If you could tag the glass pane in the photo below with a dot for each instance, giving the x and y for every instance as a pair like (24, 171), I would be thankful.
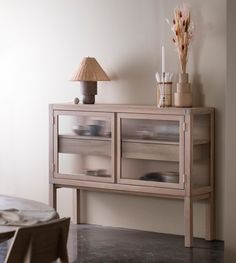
(84, 125)
(201, 150)
(84, 145)
(150, 150)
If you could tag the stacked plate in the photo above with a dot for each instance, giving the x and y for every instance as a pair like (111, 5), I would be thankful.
(166, 177)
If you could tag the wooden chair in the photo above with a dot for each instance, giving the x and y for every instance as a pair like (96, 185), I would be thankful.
(43, 243)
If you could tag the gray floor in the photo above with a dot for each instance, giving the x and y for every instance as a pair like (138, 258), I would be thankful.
(96, 244)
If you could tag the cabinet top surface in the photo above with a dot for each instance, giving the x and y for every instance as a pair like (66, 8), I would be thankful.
(135, 108)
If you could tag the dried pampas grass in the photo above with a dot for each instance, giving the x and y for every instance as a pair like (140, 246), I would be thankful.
(183, 29)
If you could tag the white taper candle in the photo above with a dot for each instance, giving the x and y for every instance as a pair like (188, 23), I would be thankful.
(162, 61)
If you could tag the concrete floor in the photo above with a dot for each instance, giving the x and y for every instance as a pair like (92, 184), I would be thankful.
(96, 244)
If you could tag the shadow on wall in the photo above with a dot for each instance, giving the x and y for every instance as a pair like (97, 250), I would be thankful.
(197, 90)
(197, 85)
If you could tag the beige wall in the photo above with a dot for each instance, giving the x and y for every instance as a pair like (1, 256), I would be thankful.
(230, 229)
(41, 44)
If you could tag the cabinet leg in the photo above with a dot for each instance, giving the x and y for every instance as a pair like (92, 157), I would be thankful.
(77, 219)
(188, 221)
(53, 196)
(210, 217)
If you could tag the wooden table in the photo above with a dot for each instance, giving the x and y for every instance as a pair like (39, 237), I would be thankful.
(7, 202)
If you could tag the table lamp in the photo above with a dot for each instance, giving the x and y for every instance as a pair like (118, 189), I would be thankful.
(88, 73)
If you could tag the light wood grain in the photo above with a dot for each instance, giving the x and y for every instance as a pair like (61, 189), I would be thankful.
(78, 213)
(210, 222)
(147, 151)
(186, 151)
(188, 221)
(188, 202)
(210, 206)
(151, 183)
(125, 188)
(86, 147)
(51, 141)
(126, 108)
(52, 195)
(83, 177)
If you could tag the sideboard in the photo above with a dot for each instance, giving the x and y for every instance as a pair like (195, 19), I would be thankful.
(135, 149)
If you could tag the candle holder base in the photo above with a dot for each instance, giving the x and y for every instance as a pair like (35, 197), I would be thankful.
(164, 94)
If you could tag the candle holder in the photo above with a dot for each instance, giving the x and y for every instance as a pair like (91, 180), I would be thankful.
(164, 94)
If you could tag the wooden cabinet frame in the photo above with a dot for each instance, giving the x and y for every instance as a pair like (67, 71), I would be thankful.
(184, 190)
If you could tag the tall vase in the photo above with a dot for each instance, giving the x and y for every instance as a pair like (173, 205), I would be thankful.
(183, 96)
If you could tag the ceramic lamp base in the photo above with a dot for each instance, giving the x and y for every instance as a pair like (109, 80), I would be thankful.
(89, 90)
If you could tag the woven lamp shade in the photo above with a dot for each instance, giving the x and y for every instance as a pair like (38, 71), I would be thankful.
(90, 70)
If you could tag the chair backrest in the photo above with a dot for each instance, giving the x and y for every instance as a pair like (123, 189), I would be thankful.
(41, 243)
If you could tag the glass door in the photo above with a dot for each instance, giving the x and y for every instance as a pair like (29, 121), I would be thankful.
(202, 151)
(84, 145)
(151, 150)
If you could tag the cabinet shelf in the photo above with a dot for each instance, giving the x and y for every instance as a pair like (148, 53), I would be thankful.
(150, 141)
(80, 137)
(86, 145)
(159, 141)
(150, 150)
(199, 142)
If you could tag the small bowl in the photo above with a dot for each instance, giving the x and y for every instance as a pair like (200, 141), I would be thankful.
(91, 172)
(165, 177)
(101, 172)
(94, 129)
(98, 172)
(78, 129)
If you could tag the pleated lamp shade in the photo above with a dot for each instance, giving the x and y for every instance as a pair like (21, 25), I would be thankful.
(90, 70)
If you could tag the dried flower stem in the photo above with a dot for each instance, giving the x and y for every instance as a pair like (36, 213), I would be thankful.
(182, 28)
